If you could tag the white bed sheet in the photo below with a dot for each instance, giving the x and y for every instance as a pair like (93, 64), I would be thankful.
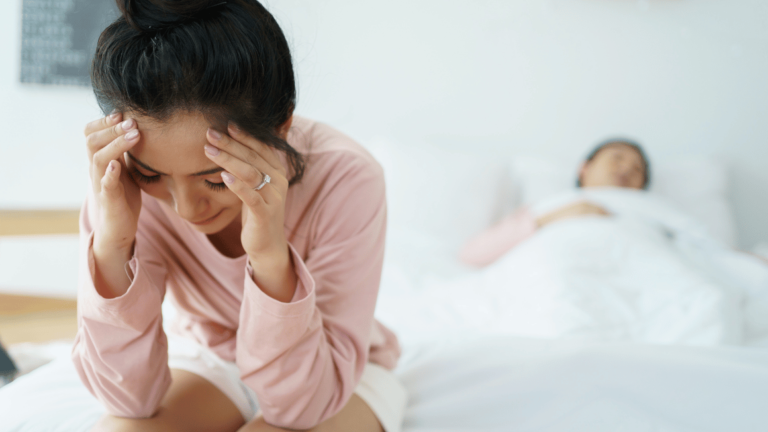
(503, 383)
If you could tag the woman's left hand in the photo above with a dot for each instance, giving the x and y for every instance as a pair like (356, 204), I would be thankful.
(247, 162)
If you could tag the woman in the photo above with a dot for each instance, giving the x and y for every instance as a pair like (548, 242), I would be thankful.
(266, 230)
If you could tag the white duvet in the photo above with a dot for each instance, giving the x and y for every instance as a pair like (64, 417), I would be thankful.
(647, 273)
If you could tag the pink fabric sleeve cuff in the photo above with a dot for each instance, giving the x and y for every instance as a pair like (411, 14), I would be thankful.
(93, 297)
(139, 302)
(303, 301)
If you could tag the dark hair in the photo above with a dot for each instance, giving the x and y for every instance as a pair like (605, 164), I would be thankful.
(626, 142)
(228, 60)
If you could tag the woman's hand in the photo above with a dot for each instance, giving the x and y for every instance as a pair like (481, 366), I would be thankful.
(246, 162)
(118, 199)
(581, 208)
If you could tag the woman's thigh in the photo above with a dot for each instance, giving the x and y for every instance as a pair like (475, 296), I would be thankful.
(356, 416)
(191, 404)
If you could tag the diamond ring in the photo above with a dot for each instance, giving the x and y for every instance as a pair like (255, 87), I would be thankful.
(264, 181)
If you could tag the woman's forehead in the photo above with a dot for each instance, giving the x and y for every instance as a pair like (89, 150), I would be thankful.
(178, 123)
(624, 149)
(174, 145)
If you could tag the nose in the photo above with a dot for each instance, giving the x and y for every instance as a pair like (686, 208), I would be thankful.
(187, 203)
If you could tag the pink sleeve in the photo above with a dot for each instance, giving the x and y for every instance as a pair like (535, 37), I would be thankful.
(305, 358)
(489, 245)
(120, 350)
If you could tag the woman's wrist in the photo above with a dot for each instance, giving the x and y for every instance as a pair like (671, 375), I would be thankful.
(108, 244)
(110, 277)
(275, 274)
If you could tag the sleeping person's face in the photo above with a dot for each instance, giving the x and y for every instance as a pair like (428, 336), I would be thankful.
(169, 163)
(617, 165)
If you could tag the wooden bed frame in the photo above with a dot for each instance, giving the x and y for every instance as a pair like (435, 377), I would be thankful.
(29, 318)
(33, 222)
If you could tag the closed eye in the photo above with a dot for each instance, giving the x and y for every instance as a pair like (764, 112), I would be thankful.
(218, 187)
(145, 179)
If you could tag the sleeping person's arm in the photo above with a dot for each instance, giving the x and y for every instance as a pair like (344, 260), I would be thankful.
(578, 209)
(488, 246)
(491, 244)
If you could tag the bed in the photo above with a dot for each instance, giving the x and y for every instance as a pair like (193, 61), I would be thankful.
(539, 341)
(504, 383)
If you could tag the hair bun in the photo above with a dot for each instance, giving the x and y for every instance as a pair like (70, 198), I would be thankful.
(154, 15)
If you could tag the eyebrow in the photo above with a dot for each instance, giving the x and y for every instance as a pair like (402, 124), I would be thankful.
(149, 168)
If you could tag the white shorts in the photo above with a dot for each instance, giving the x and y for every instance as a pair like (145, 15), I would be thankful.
(378, 387)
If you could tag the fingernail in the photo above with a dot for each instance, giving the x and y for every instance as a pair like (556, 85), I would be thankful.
(211, 150)
(114, 116)
(126, 125)
(233, 128)
(111, 166)
(130, 136)
(227, 177)
(215, 134)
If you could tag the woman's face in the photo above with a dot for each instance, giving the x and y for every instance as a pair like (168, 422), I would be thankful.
(169, 163)
(617, 165)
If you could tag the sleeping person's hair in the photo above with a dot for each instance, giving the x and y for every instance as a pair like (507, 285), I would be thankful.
(622, 141)
(228, 60)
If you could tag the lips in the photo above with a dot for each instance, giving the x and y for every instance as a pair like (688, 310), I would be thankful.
(207, 221)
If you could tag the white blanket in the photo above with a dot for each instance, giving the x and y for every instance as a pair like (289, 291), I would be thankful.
(647, 273)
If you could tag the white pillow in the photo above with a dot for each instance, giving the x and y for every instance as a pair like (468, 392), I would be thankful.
(442, 194)
(698, 186)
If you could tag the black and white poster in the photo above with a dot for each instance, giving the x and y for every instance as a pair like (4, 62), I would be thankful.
(59, 38)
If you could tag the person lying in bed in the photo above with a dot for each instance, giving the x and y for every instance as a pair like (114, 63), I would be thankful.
(615, 163)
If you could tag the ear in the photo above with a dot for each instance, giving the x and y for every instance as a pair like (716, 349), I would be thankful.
(282, 130)
(582, 171)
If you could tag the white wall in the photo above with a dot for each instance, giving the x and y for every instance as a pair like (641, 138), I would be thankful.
(540, 76)
(43, 160)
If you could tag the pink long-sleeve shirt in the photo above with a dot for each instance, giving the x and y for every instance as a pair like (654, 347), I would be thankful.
(488, 246)
(304, 358)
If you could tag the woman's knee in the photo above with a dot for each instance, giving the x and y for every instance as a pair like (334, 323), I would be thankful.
(110, 423)
(356, 416)
(192, 404)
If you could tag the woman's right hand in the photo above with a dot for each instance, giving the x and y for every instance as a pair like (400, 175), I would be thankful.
(118, 198)
(581, 208)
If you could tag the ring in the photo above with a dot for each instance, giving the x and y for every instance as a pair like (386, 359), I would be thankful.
(264, 181)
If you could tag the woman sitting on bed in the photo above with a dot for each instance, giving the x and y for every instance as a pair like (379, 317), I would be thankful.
(265, 229)
(614, 163)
